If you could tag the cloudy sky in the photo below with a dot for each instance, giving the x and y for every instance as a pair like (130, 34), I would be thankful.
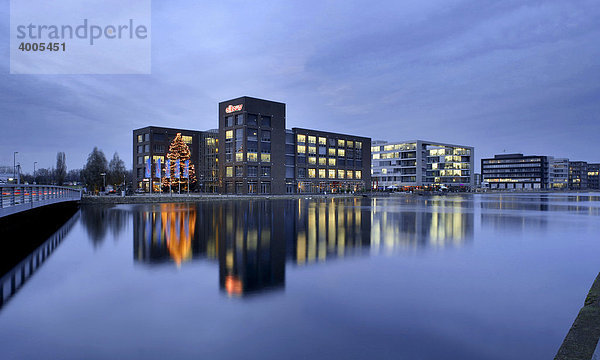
(514, 76)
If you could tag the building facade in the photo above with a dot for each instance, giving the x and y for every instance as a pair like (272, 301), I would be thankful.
(515, 171)
(593, 178)
(258, 155)
(558, 173)
(208, 169)
(419, 163)
(578, 175)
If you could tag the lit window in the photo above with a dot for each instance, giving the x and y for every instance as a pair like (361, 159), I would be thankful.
(301, 149)
(229, 134)
(322, 141)
(341, 152)
(265, 157)
(349, 174)
(358, 145)
(358, 174)
(301, 138)
(140, 138)
(229, 171)
(332, 174)
(350, 144)
(322, 161)
(311, 173)
(155, 159)
(252, 156)
(331, 161)
(331, 151)
(341, 143)
(312, 160)
(187, 139)
(312, 150)
(322, 173)
(341, 174)
(239, 156)
(375, 156)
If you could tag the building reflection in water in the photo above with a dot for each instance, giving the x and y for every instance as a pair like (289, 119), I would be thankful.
(251, 240)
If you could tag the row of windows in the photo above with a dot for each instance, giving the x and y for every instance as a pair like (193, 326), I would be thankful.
(329, 174)
(512, 166)
(312, 150)
(238, 187)
(253, 171)
(161, 138)
(511, 161)
(252, 135)
(391, 147)
(250, 119)
(250, 157)
(302, 139)
(313, 160)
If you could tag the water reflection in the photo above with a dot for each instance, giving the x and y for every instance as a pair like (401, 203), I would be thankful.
(99, 220)
(251, 240)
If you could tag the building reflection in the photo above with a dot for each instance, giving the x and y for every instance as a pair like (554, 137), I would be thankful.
(252, 240)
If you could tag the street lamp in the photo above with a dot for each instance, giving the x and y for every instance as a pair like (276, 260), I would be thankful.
(34, 182)
(15, 164)
(104, 180)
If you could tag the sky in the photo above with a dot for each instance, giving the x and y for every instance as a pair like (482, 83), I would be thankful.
(502, 76)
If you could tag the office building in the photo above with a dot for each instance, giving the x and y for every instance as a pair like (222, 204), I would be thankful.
(258, 155)
(578, 175)
(419, 163)
(593, 179)
(558, 173)
(515, 171)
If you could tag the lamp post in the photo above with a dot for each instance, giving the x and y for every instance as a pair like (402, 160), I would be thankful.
(104, 180)
(34, 182)
(15, 165)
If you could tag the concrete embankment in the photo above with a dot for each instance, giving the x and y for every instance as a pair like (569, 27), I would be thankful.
(581, 343)
(149, 199)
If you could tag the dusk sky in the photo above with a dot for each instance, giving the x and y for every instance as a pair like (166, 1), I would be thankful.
(515, 76)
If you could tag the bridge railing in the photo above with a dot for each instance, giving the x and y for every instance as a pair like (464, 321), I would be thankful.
(16, 198)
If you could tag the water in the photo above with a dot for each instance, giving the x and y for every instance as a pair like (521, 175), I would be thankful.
(455, 277)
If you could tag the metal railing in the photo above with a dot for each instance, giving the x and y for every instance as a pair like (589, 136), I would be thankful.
(17, 198)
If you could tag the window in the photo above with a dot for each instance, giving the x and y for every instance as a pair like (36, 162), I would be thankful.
(159, 148)
(341, 152)
(322, 141)
(265, 121)
(350, 143)
(229, 171)
(265, 171)
(322, 173)
(322, 161)
(228, 134)
(349, 174)
(301, 159)
(265, 157)
(239, 156)
(358, 145)
(341, 174)
(265, 187)
(187, 139)
(322, 150)
(252, 187)
(140, 149)
(140, 138)
(331, 161)
(147, 148)
(140, 160)
(252, 135)
(155, 158)
(358, 174)
(252, 146)
(265, 148)
(239, 119)
(332, 174)
(312, 160)
(341, 143)
(301, 138)
(252, 120)
(301, 149)
(331, 151)
(312, 139)
(239, 134)
(239, 171)
(331, 142)
(146, 137)
(252, 171)
(302, 173)
(239, 186)
(265, 135)
(228, 121)
(312, 173)
(312, 150)
(252, 156)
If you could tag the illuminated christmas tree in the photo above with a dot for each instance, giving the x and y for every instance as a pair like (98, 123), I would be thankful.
(178, 150)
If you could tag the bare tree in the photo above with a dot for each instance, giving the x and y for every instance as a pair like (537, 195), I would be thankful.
(60, 173)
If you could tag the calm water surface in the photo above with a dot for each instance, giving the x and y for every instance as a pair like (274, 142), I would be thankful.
(455, 277)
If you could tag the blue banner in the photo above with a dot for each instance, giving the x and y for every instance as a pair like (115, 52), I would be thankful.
(158, 168)
(148, 169)
(168, 168)
(177, 169)
(186, 169)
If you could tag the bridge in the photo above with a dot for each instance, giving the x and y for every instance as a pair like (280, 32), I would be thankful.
(19, 198)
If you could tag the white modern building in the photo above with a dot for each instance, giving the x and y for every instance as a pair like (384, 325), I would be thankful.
(420, 163)
(558, 173)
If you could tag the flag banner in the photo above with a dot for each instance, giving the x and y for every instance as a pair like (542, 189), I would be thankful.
(168, 168)
(186, 169)
(177, 169)
(158, 168)
(148, 169)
